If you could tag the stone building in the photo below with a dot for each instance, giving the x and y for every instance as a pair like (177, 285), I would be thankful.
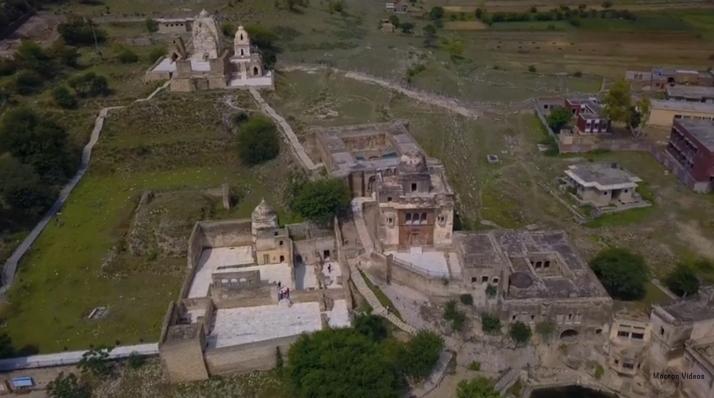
(602, 184)
(383, 161)
(534, 277)
(664, 112)
(629, 340)
(589, 115)
(253, 287)
(690, 153)
(174, 25)
(658, 79)
(208, 64)
(691, 93)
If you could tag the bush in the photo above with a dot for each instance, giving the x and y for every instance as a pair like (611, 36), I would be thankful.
(623, 273)
(64, 98)
(90, 85)
(682, 281)
(453, 315)
(436, 13)
(7, 67)
(135, 361)
(126, 56)
(68, 386)
(258, 140)
(531, 68)
(490, 324)
(520, 333)
(151, 25)
(558, 118)
(228, 29)
(321, 200)
(81, 31)
(96, 362)
(27, 82)
(466, 299)
(156, 53)
(479, 387)
(418, 357)
(33, 57)
(265, 40)
(475, 366)
(68, 55)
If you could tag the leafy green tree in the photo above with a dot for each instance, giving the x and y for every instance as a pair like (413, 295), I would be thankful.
(67, 55)
(258, 140)
(64, 98)
(420, 354)
(90, 84)
(228, 29)
(265, 40)
(322, 200)
(407, 27)
(394, 20)
(682, 281)
(339, 363)
(21, 189)
(36, 141)
(28, 82)
(618, 102)
(558, 118)
(68, 386)
(490, 324)
(96, 362)
(624, 274)
(479, 387)
(436, 13)
(31, 56)
(81, 31)
(520, 333)
(372, 326)
(151, 25)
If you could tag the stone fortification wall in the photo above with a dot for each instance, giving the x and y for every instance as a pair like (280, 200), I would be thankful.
(408, 275)
(246, 358)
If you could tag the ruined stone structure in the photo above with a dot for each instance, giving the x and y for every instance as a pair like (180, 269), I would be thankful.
(253, 287)
(629, 340)
(534, 277)
(208, 64)
(383, 161)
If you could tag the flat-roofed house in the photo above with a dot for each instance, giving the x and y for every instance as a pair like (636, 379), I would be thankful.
(691, 93)
(602, 184)
(590, 118)
(664, 112)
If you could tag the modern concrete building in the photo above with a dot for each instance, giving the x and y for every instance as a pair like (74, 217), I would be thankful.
(602, 184)
(691, 93)
(691, 153)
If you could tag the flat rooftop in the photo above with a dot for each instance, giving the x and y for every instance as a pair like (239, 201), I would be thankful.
(230, 259)
(430, 262)
(695, 310)
(602, 176)
(683, 106)
(702, 130)
(690, 92)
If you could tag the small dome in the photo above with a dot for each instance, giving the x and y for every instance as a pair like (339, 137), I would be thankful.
(521, 280)
(412, 161)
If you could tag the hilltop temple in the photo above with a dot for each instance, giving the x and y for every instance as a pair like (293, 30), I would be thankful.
(208, 64)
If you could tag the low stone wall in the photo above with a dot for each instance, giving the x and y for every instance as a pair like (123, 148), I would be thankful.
(248, 357)
(408, 276)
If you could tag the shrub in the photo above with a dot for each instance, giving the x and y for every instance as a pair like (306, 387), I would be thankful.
(682, 281)
(135, 361)
(127, 56)
(258, 140)
(578, 74)
(151, 25)
(27, 82)
(321, 200)
(490, 324)
(228, 29)
(453, 315)
(475, 366)
(68, 55)
(479, 387)
(81, 31)
(623, 273)
(372, 326)
(418, 357)
(7, 67)
(156, 53)
(558, 118)
(68, 386)
(436, 13)
(96, 362)
(466, 299)
(64, 98)
(89, 85)
(520, 333)
(531, 68)
(33, 57)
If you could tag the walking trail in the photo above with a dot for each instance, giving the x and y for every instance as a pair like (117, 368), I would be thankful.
(10, 267)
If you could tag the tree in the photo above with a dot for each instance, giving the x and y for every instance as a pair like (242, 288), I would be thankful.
(520, 333)
(28, 82)
(68, 386)
(339, 362)
(531, 68)
(31, 56)
(407, 27)
(96, 362)
(682, 281)
(436, 13)
(618, 102)
(67, 55)
(36, 141)
(322, 200)
(81, 31)
(453, 315)
(623, 273)
(151, 25)
(21, 189)
(90, 84)
(420, 354)
(490, 324)
(479, 387)
(558, 118)
(126, 55)
(639, 114)
(64, 98)
(228, 29)
(265, 40)
(372, 326)
(394, 20)
(258, 140)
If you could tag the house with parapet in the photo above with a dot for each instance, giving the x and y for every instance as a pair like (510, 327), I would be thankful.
(690, 153)
(602, 184)
(589, 115)
(664, 112)
(628, 343)
(252, 288)
(208, 64)
(658, 79)
(691, 93)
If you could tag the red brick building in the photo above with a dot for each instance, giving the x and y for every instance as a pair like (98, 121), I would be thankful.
(590, 118)
(691, 145)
